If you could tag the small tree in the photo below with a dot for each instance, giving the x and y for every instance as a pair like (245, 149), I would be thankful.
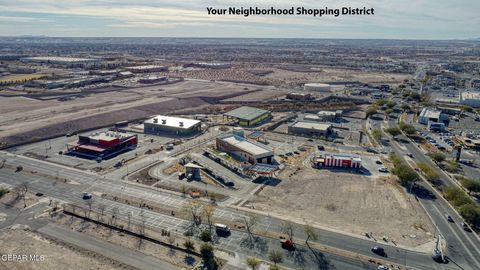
(311, 234)
(193, 209)
(206, 235)
(206, 251)
(287, 228)
(275, 256)
(253, 263)
(208, 211)
(250, 223)
(189, 246)
(377, 134)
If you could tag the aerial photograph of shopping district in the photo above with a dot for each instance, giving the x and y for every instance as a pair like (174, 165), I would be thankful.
(203, 151)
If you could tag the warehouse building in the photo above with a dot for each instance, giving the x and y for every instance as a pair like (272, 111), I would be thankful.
(102, 145)
(152, 79)
(244, 150)
(317, 87)
(63, 61)
(300, 96)
(208, 65)
(248, 116)
(310, 129)
(147, 69)
(169, 125)
(334, 160)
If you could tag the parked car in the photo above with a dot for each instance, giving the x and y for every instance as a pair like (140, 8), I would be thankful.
(86, 196)
(221, 229)
(383, 170)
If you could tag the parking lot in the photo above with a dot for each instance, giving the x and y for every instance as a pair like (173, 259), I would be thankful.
(54, 150)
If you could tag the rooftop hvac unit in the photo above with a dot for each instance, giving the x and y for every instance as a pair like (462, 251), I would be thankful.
(155, 120)
(181, 124)
(164, 121)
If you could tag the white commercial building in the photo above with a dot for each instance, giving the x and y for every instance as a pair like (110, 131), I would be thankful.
(244, 150)
(471, 99)
(317, 87)
(431, 115)
(169, 125)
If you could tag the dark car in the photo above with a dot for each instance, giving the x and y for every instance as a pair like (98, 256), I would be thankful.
(449, 218)
(379, 251)
(378, 162)
(86, 196)
(466, 227)
(439, 259)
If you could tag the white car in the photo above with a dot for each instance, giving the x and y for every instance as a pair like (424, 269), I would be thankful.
(383, 267)
(383, 170)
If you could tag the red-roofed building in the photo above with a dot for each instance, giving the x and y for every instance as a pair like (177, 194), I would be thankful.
(103, 145)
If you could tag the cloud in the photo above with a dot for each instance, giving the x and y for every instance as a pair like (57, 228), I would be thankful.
(408, 18)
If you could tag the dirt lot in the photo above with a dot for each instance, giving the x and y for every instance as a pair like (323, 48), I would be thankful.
(331, 74)
(172, 256)
(348, 202)
(57, 256)
(25, 119)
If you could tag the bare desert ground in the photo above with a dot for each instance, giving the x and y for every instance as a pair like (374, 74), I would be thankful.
(56, 256)
(348, 202)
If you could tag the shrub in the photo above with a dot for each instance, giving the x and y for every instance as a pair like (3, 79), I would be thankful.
(456, 196)
(3, 191)
(471, 213)
(437, 157)
(206, 236)
(377, 134)
(393, 131)
(429, 172)
(471, 185)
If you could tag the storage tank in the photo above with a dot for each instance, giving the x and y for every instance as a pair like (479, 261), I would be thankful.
(318, 87)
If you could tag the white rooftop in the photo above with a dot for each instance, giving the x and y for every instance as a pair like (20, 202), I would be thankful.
(470, 95)
(311, 125)
(170, 121)
(326, 113)
(246, 146)
(430, 113)
(145, 67)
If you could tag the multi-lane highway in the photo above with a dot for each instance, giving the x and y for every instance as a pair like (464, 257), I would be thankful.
(84, 181)
(463, 248)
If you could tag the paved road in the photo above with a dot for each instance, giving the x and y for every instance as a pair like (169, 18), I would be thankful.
(71, 193)
(118, 253)
(463, 248)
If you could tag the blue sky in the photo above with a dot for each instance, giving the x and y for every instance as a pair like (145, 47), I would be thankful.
(402, 19)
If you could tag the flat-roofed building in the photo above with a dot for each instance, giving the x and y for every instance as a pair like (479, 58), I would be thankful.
(103, 145)
(147, 69)
(169, 125)
(310, 129)
(244, 150)
(431, 115)
(248, 116)
(471, 99)
(64, 61)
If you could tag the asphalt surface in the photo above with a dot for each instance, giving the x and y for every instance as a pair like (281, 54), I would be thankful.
(118, 253)
(82, 181)
(463, 248)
